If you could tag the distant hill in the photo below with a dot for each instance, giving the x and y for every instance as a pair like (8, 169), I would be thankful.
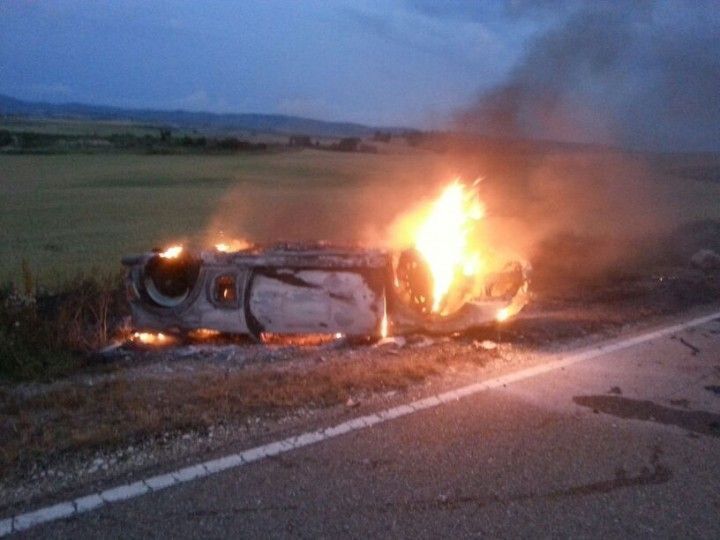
(262, 123)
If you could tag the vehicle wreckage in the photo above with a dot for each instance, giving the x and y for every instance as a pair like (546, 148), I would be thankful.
(298, 289)
(440, 278)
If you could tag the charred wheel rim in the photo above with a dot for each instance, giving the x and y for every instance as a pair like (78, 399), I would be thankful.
(168, 282)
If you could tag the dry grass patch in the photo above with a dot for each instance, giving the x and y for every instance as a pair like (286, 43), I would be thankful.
(46, 334)
(80, 417)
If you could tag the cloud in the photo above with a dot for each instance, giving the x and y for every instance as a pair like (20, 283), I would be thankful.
(419, 31)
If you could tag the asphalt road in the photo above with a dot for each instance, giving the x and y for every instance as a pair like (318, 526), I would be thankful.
(627, 444)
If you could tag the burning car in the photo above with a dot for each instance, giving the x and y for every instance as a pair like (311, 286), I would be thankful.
(436, 285)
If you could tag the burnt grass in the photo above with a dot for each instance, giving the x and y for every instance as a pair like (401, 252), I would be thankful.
(57, 399)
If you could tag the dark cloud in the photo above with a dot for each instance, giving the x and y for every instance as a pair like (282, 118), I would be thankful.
(637, 74)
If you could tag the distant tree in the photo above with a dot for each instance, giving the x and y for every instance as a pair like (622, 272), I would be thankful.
(6, 138)
(348, 144)
(414, 138)
(123, 140)
(189, 141)
(381, 136)
(31, 139)
(229, 143)
(301, 141)
(233, 143)
(165, 134)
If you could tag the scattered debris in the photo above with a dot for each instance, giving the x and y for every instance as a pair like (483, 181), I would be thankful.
(352, 403)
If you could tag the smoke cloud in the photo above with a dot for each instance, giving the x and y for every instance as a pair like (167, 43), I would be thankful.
(642, 75)
(639, 75)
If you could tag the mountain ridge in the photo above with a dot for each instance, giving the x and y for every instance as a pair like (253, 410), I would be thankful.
(179, 118)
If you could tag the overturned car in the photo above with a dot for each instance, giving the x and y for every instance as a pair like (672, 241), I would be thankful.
(296, 289)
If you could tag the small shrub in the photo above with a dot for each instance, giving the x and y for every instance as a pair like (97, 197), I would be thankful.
(43, 335)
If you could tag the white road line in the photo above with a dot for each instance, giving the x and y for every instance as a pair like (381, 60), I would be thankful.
(67, 509)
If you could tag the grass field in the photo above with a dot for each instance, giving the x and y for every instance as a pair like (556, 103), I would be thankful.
(69, 213)
(77, 127)
(98, 128)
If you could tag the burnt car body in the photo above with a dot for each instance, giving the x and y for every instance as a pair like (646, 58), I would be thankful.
(299, 289)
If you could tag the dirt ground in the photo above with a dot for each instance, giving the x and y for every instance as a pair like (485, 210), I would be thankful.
(139, 408)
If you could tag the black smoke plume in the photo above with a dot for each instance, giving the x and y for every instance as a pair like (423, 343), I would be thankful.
(641, 75)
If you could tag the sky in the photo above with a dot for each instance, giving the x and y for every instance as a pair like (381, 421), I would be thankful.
(371, 62)
(503, 67)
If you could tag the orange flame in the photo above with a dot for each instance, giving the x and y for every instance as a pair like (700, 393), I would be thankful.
(172, 252)
(384, 325)
(232, 246)
(443, 239)
(203, 333)
(521, 298)
(150, 338)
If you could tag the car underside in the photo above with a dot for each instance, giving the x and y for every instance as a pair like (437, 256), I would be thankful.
(297, 289)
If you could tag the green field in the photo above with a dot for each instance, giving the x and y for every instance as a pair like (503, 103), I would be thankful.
(65, 127)
(70, 213)
(77, 127)
(65, 214)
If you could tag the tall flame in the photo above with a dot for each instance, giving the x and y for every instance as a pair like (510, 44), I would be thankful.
(443, 239)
